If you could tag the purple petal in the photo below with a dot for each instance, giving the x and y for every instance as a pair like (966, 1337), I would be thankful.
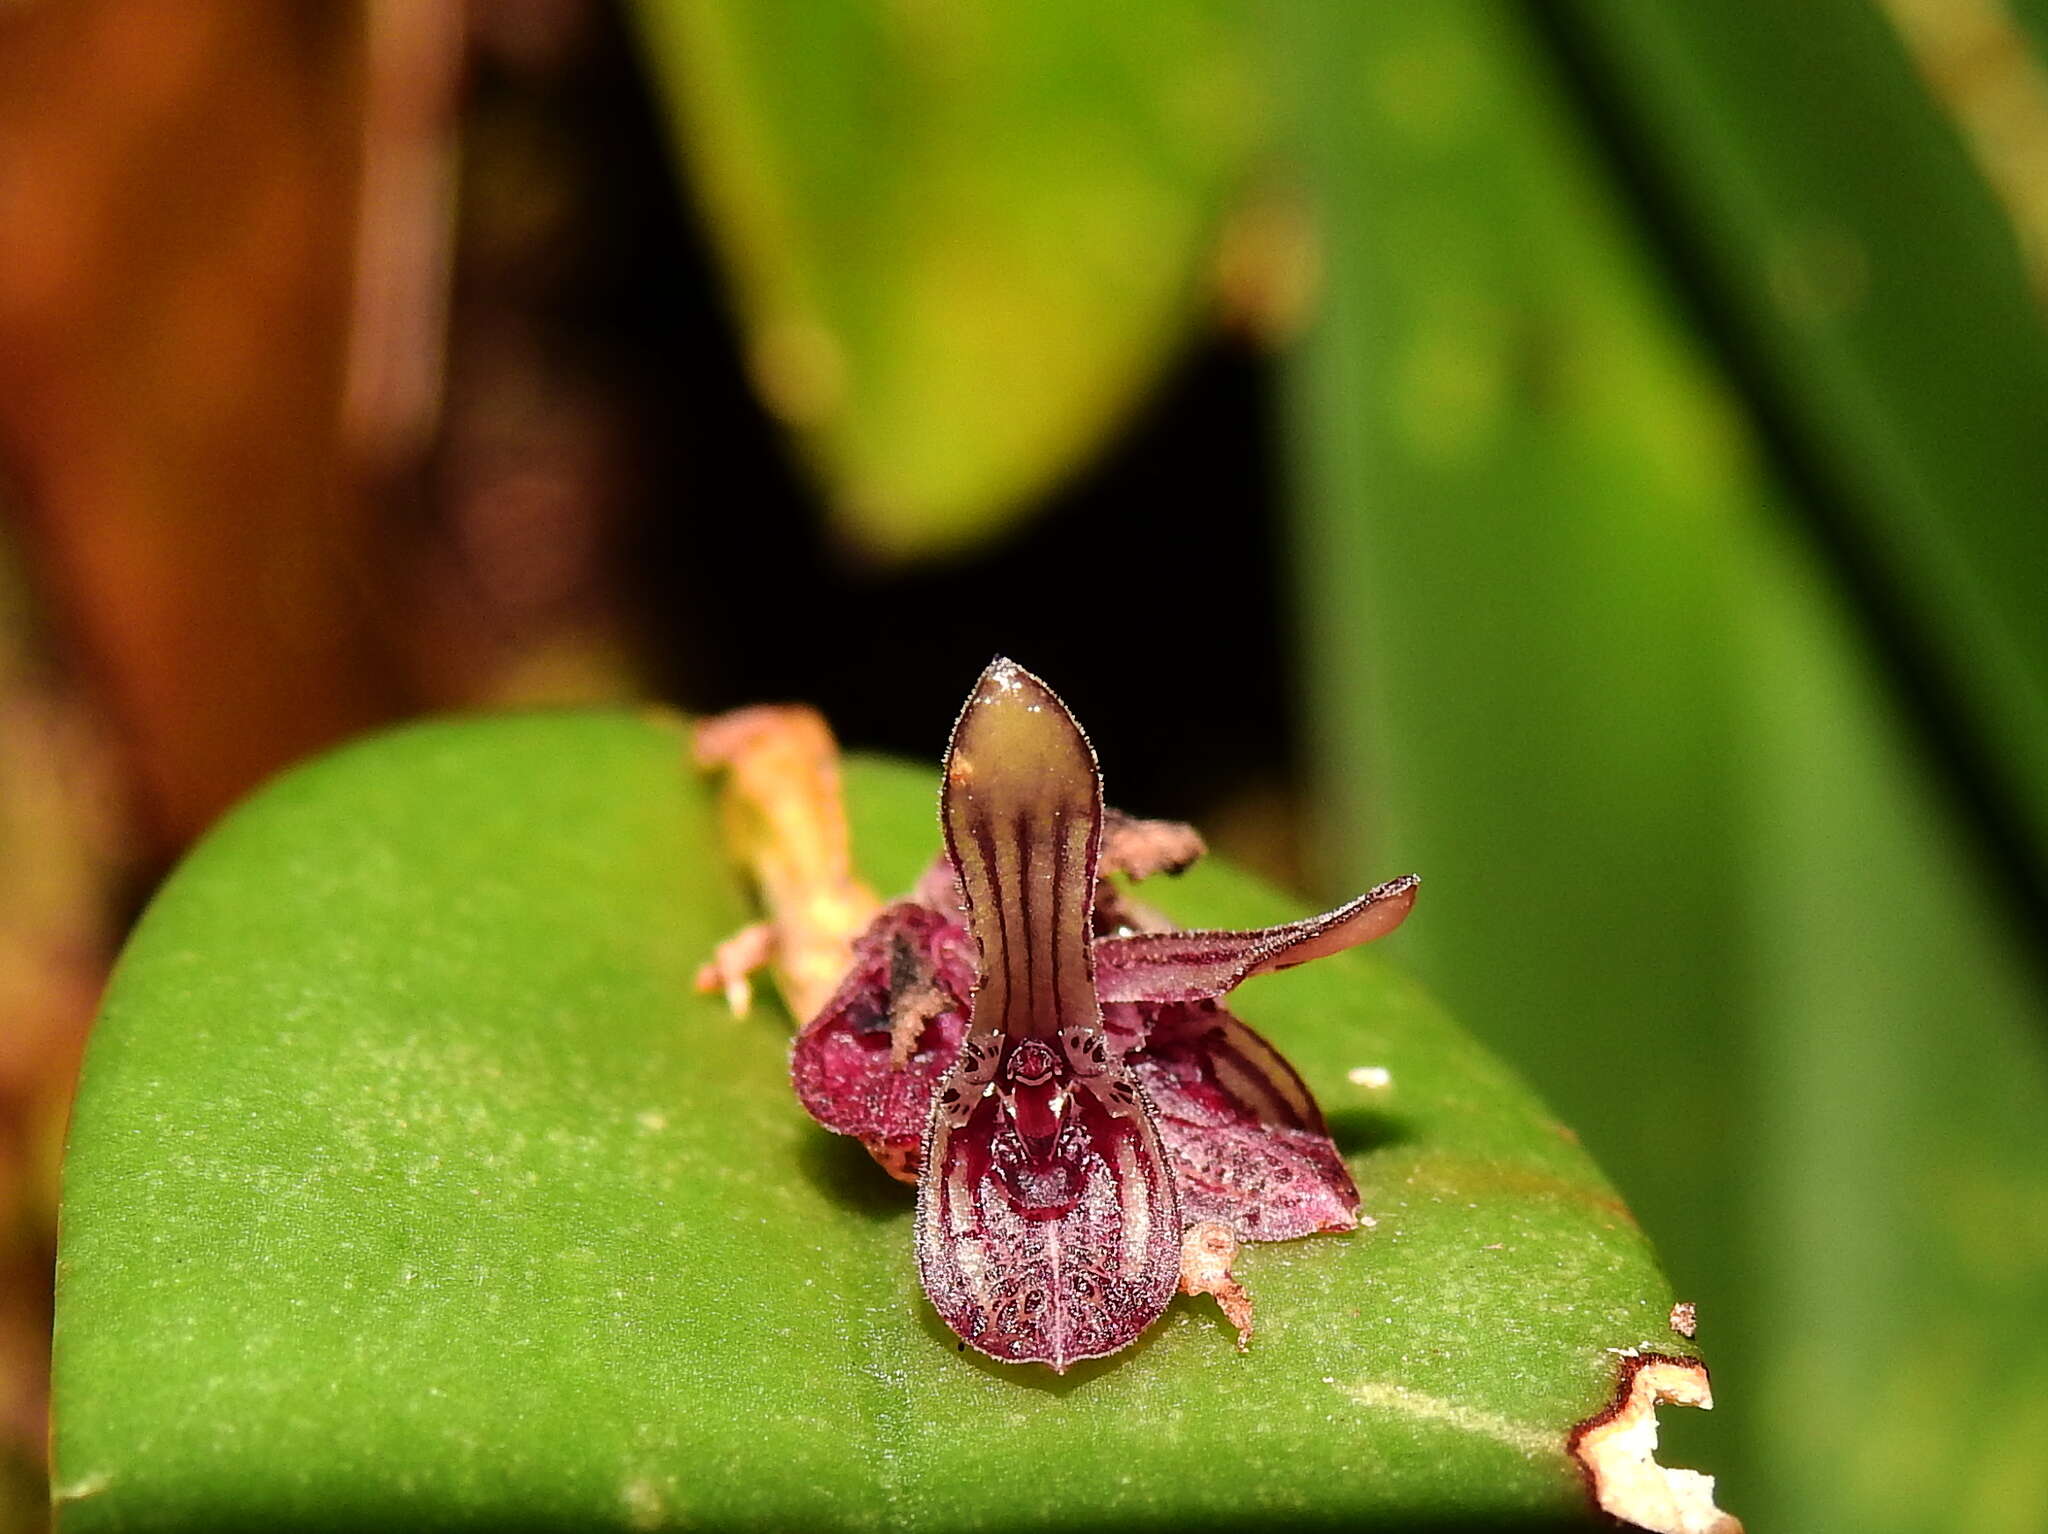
(1049, 1257)
(845, 1066)
(1243, 1135)
(1192, 966)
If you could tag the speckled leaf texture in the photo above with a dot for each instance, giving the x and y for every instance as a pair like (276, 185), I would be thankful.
(412, 1185)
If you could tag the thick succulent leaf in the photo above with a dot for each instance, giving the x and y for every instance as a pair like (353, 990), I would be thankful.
(961, 240)
(412, 1183)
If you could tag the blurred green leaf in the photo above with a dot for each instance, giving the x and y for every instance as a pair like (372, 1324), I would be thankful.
(411, 1182)
(1860, 206)
(962, 240)
(1898, 1168)
(1683, 867)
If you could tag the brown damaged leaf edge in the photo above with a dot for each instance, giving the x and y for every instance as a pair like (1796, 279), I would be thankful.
(1089, 1129)
(1617, 1450)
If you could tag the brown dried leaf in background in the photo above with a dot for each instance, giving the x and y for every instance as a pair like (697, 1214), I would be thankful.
(178, 217)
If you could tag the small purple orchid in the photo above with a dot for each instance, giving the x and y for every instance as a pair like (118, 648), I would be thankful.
(1050, 1063)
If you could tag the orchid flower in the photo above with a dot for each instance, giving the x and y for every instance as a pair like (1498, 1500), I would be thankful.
(1058, 1076)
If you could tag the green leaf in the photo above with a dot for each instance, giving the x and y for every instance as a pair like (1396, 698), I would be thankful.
(1572, 664)
(412, 1183)
(962, 240)
(1874, 251)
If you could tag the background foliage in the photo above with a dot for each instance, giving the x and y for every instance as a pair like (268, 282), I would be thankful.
(1592, 454)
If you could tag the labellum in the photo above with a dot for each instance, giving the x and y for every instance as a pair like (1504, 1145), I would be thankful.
(1052, 1066)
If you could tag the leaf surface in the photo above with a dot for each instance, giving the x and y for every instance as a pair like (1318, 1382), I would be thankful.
(410, 1181)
